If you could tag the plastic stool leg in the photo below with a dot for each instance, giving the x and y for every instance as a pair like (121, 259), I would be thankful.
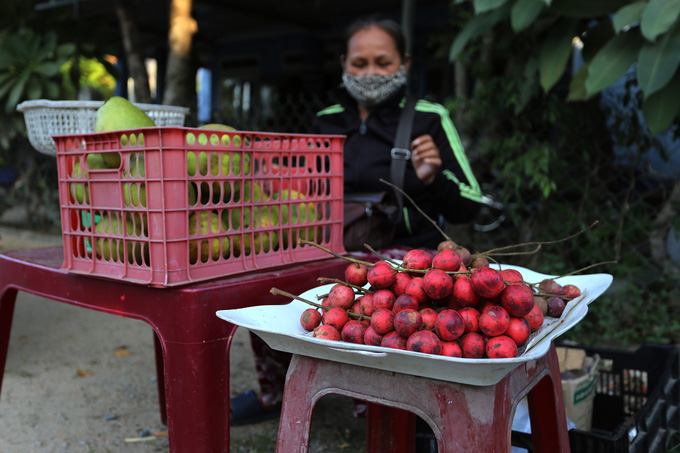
(390, 430)
(546, 411)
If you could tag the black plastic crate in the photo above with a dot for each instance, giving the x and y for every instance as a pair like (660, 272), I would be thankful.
(638, 397)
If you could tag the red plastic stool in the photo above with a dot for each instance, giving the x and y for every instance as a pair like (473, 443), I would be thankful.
(192, 343)
(464, 418)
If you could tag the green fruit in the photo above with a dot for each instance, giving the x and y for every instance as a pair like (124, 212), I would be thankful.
(78, 189)
(134, 194)
(236, 164)
(208, 247)
(192, 196)
(95, 161)
(217, 127)
(116, 114)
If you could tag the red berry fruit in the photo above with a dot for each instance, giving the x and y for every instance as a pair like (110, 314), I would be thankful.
(353, 332)
(393, 340)
(473, 346)
(446, 260)
(310, 319)
(382, 321)
(326, 332)
(407, 322)
(487, 282)
(494, 321)
(450, 325)
(517, 299)
(424, 341)
(437, 284)
(535, 318)
(501, 347)
(382, 275)
(341, 296)
(519, 330)
(356, 274)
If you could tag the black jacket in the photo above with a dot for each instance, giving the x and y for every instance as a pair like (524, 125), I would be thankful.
(454, 193)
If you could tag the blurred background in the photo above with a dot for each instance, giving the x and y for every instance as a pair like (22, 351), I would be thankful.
(567, 109)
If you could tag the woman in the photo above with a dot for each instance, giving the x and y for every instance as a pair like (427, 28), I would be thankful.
(367, 110)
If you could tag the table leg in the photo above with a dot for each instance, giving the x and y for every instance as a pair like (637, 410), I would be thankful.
(160, 377)
(197, 395)
(7, 302)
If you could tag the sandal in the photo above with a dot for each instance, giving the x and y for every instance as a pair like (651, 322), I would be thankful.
(246, 409)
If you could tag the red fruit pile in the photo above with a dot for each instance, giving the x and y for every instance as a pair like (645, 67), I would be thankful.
(439, 304)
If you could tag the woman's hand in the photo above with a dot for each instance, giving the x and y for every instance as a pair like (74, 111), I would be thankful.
(425, 158)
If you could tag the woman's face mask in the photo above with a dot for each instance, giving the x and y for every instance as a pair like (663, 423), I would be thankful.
(370, 90)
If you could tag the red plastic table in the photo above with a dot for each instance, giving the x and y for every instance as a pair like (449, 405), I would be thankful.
(192, 343)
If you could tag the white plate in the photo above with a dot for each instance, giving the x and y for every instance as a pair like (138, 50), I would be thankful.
(279, 326)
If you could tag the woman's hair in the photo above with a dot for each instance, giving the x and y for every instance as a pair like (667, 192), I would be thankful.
(389, 26)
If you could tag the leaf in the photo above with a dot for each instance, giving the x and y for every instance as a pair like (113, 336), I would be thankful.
(628, 15)
(658, 61)
(577, 86)
(51, 89)
(7, 60)
(476, 27)
(658, 17)
(661, 108)
(16, 91)
(82, 373)
(554, 53)
(66, 50)
(524, 12)
(613, 60)
(33, 88)
(587, 8)
(595, 38)
(483, 6)
(48, 69)
(123, 351)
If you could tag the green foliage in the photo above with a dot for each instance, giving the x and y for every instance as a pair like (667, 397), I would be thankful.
(542, 142)
(649, 316)
(29, 66)
(644, 34)
(92, 74)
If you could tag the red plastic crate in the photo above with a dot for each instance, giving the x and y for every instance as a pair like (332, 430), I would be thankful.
(146, 220)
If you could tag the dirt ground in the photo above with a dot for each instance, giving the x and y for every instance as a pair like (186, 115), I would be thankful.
(83, 381)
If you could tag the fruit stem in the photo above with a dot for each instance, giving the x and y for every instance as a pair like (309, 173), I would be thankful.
(280, 292)
(436, 225)
(341, 282)
(319, 246)
(372, 250)
(537, 243)
(586, 268)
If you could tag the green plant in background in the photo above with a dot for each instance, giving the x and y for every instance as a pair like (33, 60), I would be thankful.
(542, 142)
(614, 35)
(29, 69)
(29, 66)
(93, 74)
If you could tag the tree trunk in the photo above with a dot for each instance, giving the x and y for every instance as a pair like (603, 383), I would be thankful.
(179, 84)
(134, 50)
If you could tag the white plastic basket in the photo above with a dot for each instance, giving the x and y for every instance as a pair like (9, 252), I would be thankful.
(47, 118)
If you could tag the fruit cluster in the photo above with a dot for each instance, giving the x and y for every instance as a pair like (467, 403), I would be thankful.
(440, 303)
